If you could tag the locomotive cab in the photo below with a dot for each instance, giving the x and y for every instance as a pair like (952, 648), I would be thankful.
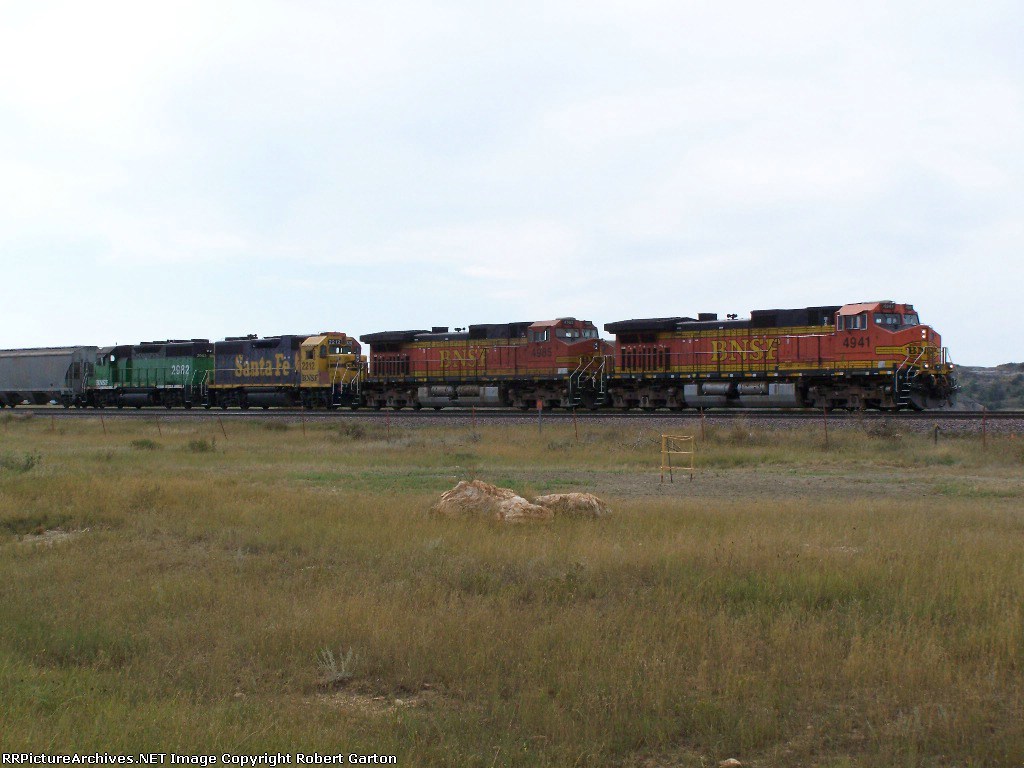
(330, 364)
(564, 331)
(571, 348)
(889, 338)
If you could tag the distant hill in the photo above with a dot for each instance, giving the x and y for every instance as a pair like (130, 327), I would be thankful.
(998, 389)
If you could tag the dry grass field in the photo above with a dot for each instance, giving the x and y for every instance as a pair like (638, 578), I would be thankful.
(166, 587)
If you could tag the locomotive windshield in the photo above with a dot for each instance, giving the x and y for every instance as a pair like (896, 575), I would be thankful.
(574, 334)
(893, 321)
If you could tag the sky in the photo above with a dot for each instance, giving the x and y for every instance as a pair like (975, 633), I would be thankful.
(215, 168)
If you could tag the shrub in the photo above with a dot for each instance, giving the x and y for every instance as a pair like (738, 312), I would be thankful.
(23, 463)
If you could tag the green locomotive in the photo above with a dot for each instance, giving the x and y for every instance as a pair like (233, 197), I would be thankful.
(174, 374)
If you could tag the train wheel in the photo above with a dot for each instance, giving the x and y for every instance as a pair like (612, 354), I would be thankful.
(438, 407)
(188, 406)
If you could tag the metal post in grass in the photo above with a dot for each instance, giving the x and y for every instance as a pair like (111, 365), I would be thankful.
(159, 429)
(103, 424)
(540, 412)
(824, 419)
(219, 421)
(984, 428)
(702, 424)
(387, 424)
(575, 426)
(935, 434)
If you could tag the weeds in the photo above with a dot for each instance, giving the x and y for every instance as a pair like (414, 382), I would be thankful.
(336, 671)
(145, 444)
(352, 430)
(202, 446)
(26, 462)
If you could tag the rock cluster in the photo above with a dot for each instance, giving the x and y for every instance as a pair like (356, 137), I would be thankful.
(475, 498)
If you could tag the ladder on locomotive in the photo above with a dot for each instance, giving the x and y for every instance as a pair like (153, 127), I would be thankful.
(203, 388)
(591, 370)
(903, 385)
(338, 387)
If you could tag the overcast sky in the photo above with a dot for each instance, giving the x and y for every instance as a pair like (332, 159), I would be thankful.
(219, 168)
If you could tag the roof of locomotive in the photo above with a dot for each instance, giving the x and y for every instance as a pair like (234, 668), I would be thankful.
(886, 305)
(235, 344)
(479, 331)
(390, 337)
(759, 318)
(45, 351)
(565, 321)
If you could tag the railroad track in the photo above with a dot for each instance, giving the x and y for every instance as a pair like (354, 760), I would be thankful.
(499, 413)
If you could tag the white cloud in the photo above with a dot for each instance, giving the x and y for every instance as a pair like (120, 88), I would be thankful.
(488, 162)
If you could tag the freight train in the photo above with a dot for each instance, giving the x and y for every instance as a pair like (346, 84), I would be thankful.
(869, 355)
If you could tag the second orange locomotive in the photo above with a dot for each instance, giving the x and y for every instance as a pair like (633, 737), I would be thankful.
(555, 363)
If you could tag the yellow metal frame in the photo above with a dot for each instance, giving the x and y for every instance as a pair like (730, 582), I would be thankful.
(676, 445)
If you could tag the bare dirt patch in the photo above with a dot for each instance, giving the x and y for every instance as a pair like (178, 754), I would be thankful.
(52, 536)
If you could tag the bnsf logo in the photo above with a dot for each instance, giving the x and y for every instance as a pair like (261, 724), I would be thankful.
(469, 358)
(735, 350)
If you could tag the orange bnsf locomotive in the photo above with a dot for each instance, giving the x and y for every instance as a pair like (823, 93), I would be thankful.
(556, 363)
(868, 355)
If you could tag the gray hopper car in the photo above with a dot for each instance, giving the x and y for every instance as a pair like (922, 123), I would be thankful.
(38, 376)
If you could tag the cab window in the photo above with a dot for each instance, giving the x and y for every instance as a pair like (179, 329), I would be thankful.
(568, 334)
(540, 335)
(888, 320)
(853, 322)
(911, 319)
(323, 350)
